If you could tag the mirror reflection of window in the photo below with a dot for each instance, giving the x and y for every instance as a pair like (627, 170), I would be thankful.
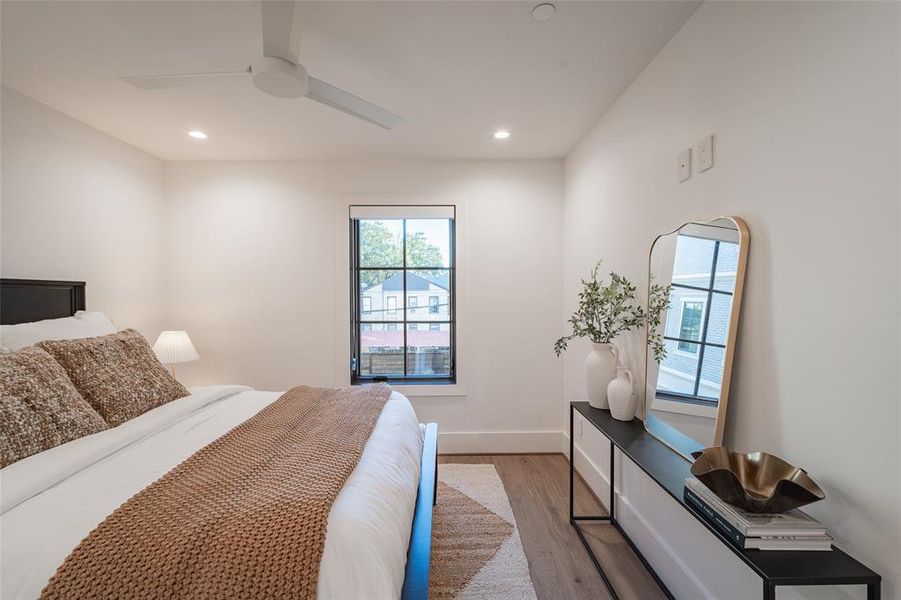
(697, 321)
(691, 325)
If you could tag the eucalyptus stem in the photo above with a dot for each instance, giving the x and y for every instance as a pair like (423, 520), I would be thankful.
(606, 310)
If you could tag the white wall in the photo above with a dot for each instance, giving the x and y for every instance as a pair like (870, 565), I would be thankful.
(256, 251)
(79, 204)
(804, 102)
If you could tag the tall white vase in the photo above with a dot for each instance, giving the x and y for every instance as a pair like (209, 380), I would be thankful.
(619, 395)
(600, 370)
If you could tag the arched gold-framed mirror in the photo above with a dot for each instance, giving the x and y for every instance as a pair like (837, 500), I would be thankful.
(700, 268)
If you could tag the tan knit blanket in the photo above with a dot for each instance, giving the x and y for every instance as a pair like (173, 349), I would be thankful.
(243, 517)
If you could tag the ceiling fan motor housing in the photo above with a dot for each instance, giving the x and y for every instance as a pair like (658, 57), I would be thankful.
(279, 77)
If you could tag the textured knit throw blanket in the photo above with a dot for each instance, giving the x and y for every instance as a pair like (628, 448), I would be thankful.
(243, 517)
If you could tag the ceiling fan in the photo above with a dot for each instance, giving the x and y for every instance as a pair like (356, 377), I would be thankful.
(279, 73)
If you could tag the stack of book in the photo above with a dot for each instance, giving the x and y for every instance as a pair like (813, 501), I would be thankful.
(792, 530)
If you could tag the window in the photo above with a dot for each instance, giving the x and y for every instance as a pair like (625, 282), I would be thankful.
(690, 328)
(697, 323)
(402, 254)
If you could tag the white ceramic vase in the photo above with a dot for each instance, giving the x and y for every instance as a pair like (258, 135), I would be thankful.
(620, 397)
(600, 370)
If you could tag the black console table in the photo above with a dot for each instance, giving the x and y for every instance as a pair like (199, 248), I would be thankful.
(669, 471)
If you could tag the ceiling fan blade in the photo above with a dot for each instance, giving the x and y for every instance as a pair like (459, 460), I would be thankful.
(328, 94)
(160, 82)
(280, 37)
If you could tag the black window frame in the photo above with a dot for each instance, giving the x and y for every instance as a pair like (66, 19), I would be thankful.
(702, 342)
(356, 378)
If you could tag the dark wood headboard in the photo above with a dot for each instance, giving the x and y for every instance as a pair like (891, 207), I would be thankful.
(26, 300)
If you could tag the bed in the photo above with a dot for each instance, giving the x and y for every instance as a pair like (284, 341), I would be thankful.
(379, 526)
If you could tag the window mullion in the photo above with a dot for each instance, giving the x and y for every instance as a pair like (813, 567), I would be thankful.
(716, 251)
(356, 316)
(404, 275)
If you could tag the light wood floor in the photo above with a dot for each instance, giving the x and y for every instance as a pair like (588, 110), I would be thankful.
(538, 487)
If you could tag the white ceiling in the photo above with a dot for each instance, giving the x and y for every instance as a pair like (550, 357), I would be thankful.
(455, 70)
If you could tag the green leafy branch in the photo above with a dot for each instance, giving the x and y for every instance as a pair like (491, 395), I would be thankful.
(658, 303)
(606, 310)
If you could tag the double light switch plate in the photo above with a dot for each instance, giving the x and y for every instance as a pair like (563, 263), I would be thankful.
(702, 156)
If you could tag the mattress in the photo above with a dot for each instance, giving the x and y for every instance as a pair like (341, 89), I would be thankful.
(52, 500)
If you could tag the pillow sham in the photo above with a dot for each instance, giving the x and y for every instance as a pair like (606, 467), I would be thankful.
(118, 374)
(82, 324)
(39, 406)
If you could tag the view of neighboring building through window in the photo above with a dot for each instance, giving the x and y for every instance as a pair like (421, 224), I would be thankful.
(691, 325)
(697, 322)
(403, 302)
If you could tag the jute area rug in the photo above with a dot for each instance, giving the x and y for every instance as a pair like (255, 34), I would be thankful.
(476, 549)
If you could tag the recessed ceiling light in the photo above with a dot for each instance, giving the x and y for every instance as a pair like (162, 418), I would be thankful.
(543, 12)
(501, 134)
(197, 134)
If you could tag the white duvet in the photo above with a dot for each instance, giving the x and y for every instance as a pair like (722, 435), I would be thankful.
(52, 500)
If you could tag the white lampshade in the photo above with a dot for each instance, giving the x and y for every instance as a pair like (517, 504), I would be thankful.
(175, 347)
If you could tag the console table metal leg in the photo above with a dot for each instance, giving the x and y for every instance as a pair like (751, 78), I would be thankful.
(769, 590)
(572, 462)
(874, 591)
(612, 480)
(574, 519)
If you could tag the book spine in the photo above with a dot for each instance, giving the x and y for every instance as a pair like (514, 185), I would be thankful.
(722, 525)
(721, 508)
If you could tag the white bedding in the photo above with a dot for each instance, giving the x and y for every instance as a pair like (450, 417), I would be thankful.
(52, 500)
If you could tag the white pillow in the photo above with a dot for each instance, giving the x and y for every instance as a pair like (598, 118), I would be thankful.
(82, 325)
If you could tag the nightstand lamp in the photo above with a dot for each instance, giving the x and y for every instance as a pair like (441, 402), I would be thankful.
(173, 347)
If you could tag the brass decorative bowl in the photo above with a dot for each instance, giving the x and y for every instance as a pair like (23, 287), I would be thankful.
(757, 482)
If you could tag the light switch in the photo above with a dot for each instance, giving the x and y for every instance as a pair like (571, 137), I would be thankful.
(684, 164)
(704, 153)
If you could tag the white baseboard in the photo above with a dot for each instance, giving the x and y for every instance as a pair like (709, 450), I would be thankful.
(500, 442)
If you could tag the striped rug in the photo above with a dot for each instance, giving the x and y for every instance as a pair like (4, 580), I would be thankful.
(476, 549)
